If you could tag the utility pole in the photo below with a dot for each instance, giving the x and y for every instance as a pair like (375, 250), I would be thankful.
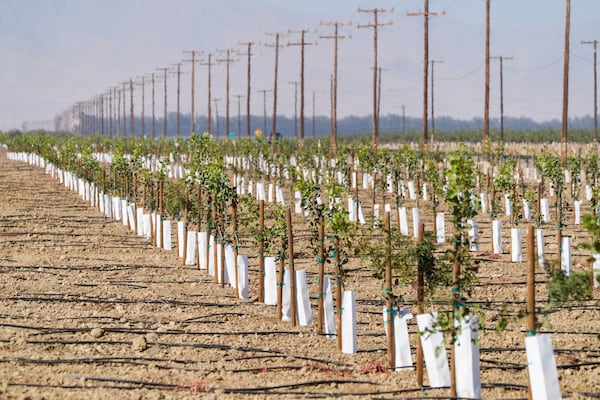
(209, 64)
(165, 77)
(131, 124)
(249, 54)
(142, 121)
(153, 110)
(565, 105)
(295, 83)
(217, 116)
(403, 119)
(178, 130)
(433, 62)
(110, 114)
(227, 60)
(239, 120)
(302, 44)
(595, 44)
(502, 58)
(486, 106)
(193, 62)
(274, 125)
(313, 114)
(425, 14)
(336, 37)
(375, 25)
(264, 93)
(124, 110)
(118, 112)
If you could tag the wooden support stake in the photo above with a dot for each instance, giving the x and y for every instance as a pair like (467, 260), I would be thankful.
(280, 277)
(321, 266)
(530, 281)
(420, 300)
(338, 292)
(185, 211)
(261, 251)
(235, 247)
(292, 270)
(389, 304)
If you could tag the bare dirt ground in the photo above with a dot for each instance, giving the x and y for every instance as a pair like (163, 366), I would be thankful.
(88, 310)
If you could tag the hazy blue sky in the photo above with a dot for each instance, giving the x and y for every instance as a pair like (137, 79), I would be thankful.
(55, 53)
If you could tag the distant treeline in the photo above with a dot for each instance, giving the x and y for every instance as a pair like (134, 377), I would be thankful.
(446, 128)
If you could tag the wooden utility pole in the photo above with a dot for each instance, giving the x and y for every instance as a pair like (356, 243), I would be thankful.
(595, 44)
(486, 106)
(192, 113)
(403, 119)
(274, 124)
(239, 119)
(501, 59)
(295, 83)
(433, 62)
(565, 104)
(217, 116)
(425, 14)
(336, 37)
(118, 90)
(153, 110)
(227, 60)
(142, 121)
(131, 123)
(302, 44)
(375, 25)
(313, 114)
(165, 77)
(110, 114)
(248, 54)
(264, 93)
(178, 126)
(124, 110)
(209, 64)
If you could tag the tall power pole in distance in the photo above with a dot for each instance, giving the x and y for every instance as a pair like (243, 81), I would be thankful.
(264, 93)
(131, 123)
(375, 25)
(486, 106)
(501, 59)
(227, 60)
(336, 37)
(565, 104)
(274, 125)
(426, 14)
(209, 63)
(165, 77)
(295, 83)
(595, 44)
(302, 44)
(433, 62)
(239, 118)
(124, 110)
(192, 113)
(248, 54)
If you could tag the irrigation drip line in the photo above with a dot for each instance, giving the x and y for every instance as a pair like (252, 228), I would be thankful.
(277, 353)
(157, 385)
(297, 385)
(113, 301)
(194, 319)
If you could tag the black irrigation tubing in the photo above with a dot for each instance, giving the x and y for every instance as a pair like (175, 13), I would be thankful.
(98, 300)
(274, 353)
(48, 331)
(194, 319)
(91, 360)
(297, 385)
(157, 385)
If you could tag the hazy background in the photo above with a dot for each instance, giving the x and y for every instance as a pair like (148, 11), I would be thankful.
(55, 53)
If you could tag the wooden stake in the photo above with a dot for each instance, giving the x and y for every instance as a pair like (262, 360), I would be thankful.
(292, 270)
(261, 251)
(321, 266)
(338, 292)
(420, 300)
(280, 277)
(531, 328)
(235, 246)
(389, 305)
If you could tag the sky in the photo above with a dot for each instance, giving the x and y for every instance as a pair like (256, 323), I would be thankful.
(55, 53)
